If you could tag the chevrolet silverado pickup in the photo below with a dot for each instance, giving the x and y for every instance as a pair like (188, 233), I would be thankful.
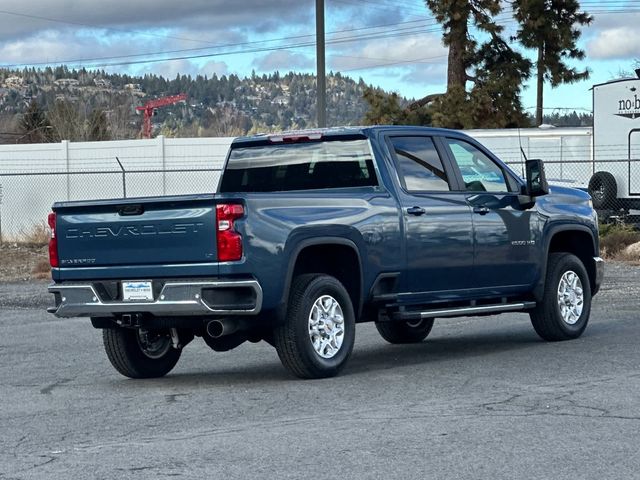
(311, 232)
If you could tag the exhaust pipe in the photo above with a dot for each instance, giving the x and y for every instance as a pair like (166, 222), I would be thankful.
(220, 328)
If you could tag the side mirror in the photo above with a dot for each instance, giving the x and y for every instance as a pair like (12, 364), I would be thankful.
(536, 179)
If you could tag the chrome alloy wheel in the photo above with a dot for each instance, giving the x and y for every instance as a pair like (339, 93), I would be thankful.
(154, 344)
(326, 326)
(570, 297)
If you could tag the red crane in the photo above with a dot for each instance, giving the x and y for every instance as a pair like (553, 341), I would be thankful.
(151, 105)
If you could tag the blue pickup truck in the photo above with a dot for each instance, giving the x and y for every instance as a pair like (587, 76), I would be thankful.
(311, 232)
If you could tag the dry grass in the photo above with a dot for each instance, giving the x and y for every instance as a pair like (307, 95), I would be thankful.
(19, 262)
(615, 238)
(41, 270)
(37, 234)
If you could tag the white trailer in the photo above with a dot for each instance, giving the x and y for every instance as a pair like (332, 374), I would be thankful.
(615, 183)
(566, 151)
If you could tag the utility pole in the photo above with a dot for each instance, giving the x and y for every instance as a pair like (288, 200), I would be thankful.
(321, 82)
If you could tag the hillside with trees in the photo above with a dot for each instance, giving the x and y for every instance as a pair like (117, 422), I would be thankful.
(59, 103)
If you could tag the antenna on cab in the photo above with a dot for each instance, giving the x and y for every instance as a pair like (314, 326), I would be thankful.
(524, 155)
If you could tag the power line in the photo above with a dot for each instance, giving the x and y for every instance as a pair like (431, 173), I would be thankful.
(417, 28)
(405, 28)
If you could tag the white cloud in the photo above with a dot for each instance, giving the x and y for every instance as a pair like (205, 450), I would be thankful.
(420, 58)
(283, 60)
(615, 43)
(125, 15)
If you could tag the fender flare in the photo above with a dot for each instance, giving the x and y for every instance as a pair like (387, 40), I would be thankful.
(310, 242)
(538, 291)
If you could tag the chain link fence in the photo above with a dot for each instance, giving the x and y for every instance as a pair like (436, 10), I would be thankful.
(33, 177)
(27, 197)
(609, 172)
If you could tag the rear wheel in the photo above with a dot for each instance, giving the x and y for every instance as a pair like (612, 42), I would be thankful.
(564, 311)
(317, 336)
(405, 332)
(140, 353)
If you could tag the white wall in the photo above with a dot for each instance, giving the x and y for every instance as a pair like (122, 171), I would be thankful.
(62, 168)
(567, 152)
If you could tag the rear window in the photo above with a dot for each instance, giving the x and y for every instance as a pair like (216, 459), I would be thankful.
(299, 166)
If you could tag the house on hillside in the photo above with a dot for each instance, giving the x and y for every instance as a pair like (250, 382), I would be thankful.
(280, 100)
(67, 82)
(101, 83)
(14, 82)
(135, 89)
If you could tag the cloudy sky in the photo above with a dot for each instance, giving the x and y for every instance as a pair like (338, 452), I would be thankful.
(397, 48)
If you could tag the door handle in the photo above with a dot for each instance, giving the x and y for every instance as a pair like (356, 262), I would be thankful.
(481, 210)
(416, 211)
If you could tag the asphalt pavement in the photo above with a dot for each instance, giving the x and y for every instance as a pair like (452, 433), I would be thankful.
(481, 398)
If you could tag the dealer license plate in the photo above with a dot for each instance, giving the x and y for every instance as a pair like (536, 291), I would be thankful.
(137, 291)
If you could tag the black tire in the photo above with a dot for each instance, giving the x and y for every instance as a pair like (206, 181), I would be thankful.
(603, 190)
(293, 339)
(126, 354)
(546, 317)
(405, 332)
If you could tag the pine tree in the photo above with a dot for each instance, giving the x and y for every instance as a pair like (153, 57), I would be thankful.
(495, 70)
(552, 28)
(385, 109)
(34, 126)
(455, 17)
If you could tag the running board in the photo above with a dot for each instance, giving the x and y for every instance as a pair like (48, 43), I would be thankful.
(463, 311)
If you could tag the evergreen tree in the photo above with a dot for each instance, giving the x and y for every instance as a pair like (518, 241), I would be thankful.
(385, 109)
(455, 17)
(552, 28)
(496, 71)
(33, 125)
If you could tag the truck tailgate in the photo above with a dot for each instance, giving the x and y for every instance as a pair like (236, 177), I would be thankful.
(136, 232)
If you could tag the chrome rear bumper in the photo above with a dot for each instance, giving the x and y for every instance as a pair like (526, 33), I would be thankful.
(186, 298)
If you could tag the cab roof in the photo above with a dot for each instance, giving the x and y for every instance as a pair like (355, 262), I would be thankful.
(333, 132)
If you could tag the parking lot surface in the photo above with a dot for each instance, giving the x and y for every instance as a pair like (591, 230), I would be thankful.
(480, 398)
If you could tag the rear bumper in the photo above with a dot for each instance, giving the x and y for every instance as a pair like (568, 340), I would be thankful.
(175, 298)
(599, 263)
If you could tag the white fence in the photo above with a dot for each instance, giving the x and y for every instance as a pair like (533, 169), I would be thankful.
(34, 176)
(567, 152)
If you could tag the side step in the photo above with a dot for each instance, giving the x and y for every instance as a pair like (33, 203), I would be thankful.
(463, 311)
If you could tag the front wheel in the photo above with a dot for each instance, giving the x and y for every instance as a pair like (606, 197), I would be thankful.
(139, 353)
(317, 336)
(564, 311)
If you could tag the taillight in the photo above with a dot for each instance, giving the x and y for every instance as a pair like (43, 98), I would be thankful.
(53, 241)
(229, 241)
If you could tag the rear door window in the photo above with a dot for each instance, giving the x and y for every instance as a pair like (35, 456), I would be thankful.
(300, 166)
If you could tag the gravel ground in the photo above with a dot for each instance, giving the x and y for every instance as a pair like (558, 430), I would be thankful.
(26, 294)
(23, 262)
